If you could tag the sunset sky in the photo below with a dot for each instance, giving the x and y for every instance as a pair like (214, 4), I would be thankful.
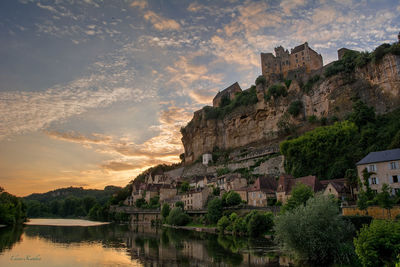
(93, 92)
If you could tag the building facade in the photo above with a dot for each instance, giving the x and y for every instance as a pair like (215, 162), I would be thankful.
(384, 168)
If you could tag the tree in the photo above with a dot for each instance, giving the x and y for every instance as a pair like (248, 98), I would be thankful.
(384, 198)
(352, 180)
(88, 203)
(299, 196)
(214, 210)
(184, 187)
(315, 232)
(177, 217)
(231, 198)
(261, 80)
(216, 191)
(223, 223)
(260, 223)
(362, 114)
(295, 108)
(379, 243)
(140, 203)
(165, 210)
(180, 204)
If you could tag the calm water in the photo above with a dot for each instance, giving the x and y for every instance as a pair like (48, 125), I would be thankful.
(121, 245)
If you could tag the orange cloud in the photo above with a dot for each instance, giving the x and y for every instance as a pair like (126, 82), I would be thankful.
(161, 23)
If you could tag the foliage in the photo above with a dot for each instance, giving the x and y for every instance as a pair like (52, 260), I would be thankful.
(326, 151)
(223, 223)
(245, 98)
(285, 126)
(310, 83)
(99, 213)
(165, 210)
(345, 65)
(259, 223)
(223, 171)
(295, 108)
(261, 80)
(385, 199)
(316, 232)
(231, 198)
(141, 202)
(184, 187)
(288, 83)
(276, 91)
(180, 204)
(12, 209)
(358, 221)
(154, 202)
(178, 217)
(214, 210)
(362, 114)
(312, 119)
(220, 155)
(299, 196)
(379, 243)
(216, 191)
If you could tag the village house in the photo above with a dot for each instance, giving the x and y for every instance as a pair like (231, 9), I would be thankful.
(167, 191)
(207, 158)
(195, 199)
(230, 181)
(152, 190)
(384, 167)
(338, 188)
(287, 182)
(263, 189)
(228, 93)
(242, 193)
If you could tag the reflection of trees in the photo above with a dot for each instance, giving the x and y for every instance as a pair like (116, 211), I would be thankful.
(109, 235)
(9, 236)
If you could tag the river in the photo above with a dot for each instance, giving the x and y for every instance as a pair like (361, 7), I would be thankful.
(123, 245)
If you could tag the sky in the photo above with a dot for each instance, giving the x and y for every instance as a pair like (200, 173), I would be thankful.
(93, 92)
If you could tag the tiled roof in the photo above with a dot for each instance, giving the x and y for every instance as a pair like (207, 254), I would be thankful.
(226, 90)
(298, 48)
(266, 184)
(287, 182)
(380, 156)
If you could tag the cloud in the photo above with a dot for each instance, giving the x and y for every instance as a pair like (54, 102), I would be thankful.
(161, 23)
(119, 166)
(49, 8)
(289, 5)
(75, 137)
(142, 4)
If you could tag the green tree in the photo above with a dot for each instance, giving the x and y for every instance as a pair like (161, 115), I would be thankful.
(184, 187)
(315, 232)
(214, 210)
(140, 203)
(384, 198)
(295, 108)
(223, 223)
(260, 223)
(88, 203)
(261, 80)
(165, 210)
(216, 191)
(379, 243)
(362, 114)
(180, 204)
(299, 196)
(177, 217)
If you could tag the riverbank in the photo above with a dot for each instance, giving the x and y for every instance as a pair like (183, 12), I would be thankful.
(211, 230)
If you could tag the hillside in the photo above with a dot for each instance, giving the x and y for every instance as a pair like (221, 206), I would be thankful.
(265, 114)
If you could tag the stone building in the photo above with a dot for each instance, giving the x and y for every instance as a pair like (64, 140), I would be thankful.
(287, 182)
(195, 199)
(301, 60)
(264, 188)
(229, 93)
(338, 188)
(384, 167)
(167, 192)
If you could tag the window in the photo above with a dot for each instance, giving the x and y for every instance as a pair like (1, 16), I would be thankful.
(395, 179)
(374, 180)
(372, 168)
(393, 165)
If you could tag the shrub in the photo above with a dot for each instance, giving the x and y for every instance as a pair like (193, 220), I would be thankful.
(165, 210)
(316, 232)
(312, 119)
(299, 196)
(276, 91)
(239, 226)
(288, 83)
(140, 203)
(379, 243)
(177, 217)
(180, 204)
(222, 171)
(223, 223)
(260, 223)
(358, 221)
(261, 80)
(310, 83)
(231, 198)
(214, 210)
(295, 108)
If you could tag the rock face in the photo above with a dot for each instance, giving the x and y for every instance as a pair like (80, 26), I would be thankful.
(377, 84)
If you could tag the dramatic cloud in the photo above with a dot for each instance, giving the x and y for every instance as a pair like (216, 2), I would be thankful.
(142, 4)
(161, 23)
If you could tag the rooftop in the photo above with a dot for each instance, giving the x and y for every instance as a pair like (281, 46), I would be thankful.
(381, 156)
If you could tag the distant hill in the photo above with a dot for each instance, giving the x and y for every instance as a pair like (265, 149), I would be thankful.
(77, 192)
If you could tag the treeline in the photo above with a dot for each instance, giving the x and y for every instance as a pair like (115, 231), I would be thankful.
(332, 151)
(12, 209)
(74, 202)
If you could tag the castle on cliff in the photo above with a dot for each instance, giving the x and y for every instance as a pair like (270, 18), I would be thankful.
(301, 60)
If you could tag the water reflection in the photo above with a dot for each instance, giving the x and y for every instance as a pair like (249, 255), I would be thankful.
(140, 245)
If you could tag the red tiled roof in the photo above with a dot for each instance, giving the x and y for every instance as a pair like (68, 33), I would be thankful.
(266, 184)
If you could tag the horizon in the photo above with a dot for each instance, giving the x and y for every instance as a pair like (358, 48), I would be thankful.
(94, 93)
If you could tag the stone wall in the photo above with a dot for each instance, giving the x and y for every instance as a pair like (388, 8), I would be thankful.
(374, 211)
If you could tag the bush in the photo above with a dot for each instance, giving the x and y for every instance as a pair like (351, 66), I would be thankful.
(231, 198)
(358, 221)
(239, 226)
(276, 91)
(295, 108)
(223, 223)
(299, 196)
(261, 80)
(312, 119)
(214, 210)
(178, 217)
(165, 210)
(379, 243)
(288, 83)
(260, 223)
(222, 171)
(180, 204)
(310, 83)
(316, 232)
(140, 203)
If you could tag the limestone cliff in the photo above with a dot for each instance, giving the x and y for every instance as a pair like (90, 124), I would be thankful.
(377, 84)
